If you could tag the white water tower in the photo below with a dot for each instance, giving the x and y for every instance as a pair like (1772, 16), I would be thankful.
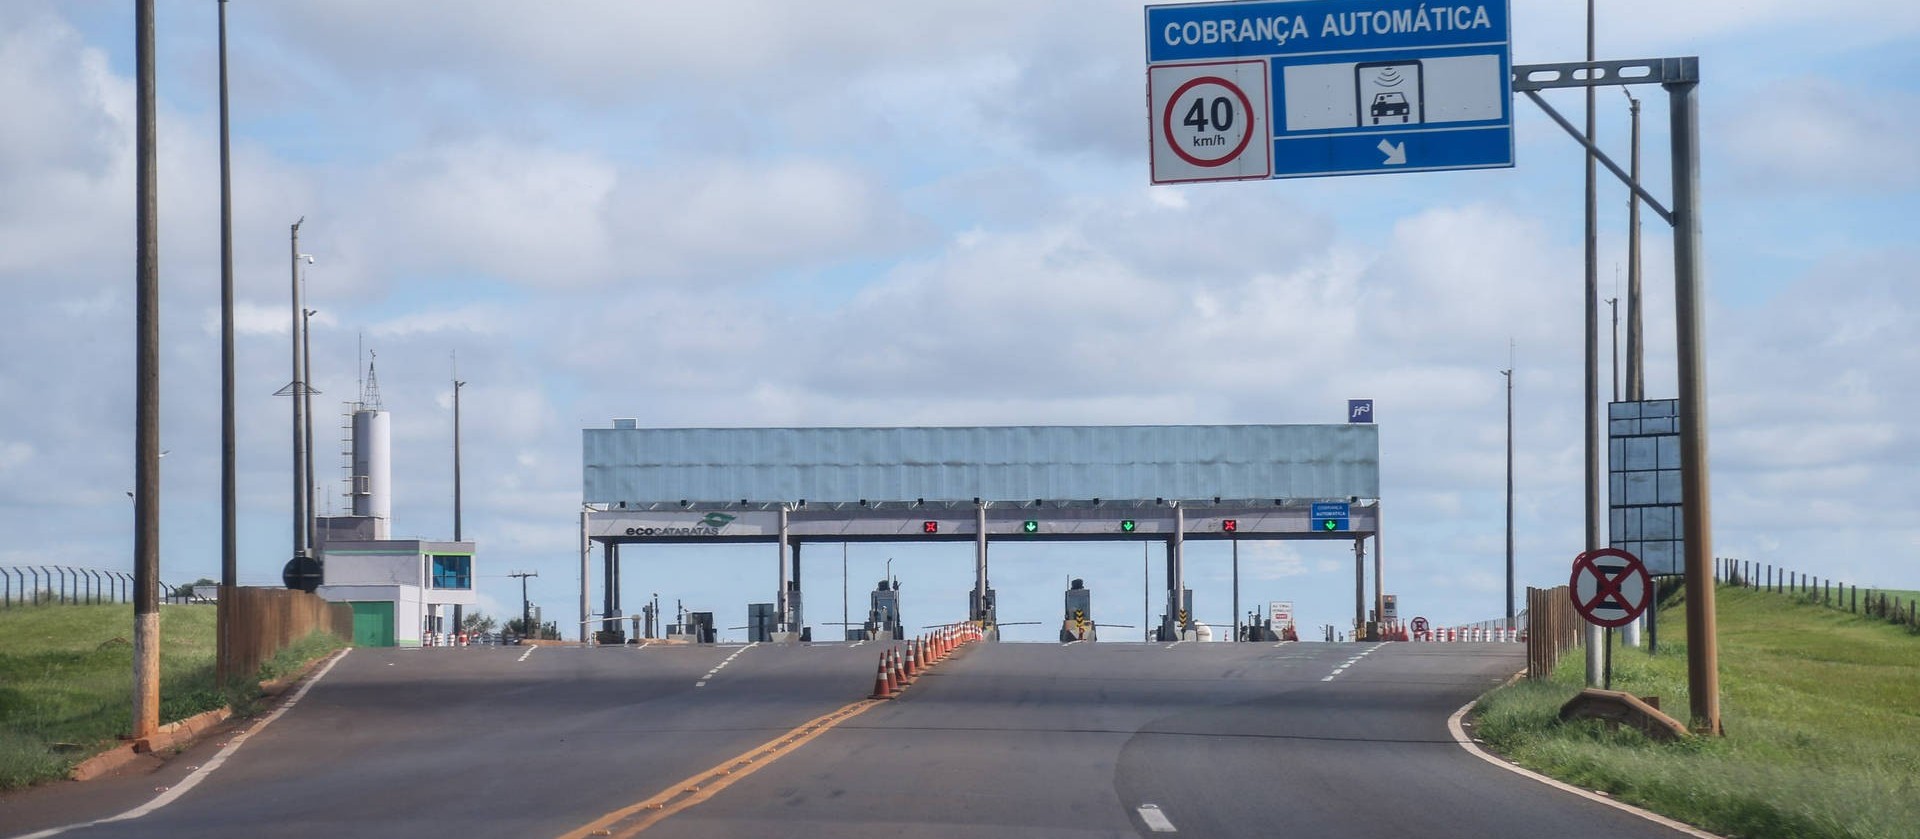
(370, 478)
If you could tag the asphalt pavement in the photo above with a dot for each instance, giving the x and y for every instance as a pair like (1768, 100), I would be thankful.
(1216, 740)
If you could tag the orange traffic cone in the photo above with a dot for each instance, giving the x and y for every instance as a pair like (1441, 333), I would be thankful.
(913, 664)
(882, 681)
(899, 671)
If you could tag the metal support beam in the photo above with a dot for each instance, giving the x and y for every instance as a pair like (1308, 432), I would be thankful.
(586, 555)
(780, 594)
(1379, 578)
(979, 560)
(1359, 587)
(1703, 654)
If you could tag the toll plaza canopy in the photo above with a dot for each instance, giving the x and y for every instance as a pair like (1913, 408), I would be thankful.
(647, 468)
(791, 486)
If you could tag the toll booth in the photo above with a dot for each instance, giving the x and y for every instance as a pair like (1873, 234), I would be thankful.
(986, 613)
(1178, 626)
(697, 628)
(1077, 625)
(760, 622)
(883, 613)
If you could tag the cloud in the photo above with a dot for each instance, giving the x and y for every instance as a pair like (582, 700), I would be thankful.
(1817, 133)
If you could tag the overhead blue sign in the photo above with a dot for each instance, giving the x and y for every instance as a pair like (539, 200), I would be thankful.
(1302, 88)
(1359, 410)
(1331, 516)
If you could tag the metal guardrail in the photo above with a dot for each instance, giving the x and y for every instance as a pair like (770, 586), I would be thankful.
(31, 585)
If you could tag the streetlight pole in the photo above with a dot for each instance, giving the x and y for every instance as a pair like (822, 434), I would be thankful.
(299, 406)
(1593, 638)
(1613, 350)
(229, 470)
(1508, 373)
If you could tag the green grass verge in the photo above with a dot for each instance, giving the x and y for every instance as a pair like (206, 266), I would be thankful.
(66, 680)
(1821, 710)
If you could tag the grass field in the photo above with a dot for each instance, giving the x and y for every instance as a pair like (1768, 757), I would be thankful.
(66, 680)
(1821, 710)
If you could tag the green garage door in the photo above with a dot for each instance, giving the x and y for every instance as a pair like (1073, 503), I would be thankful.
(373, 623)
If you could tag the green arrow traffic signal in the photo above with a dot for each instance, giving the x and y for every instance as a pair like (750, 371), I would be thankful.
(1030, 526)
(1127, 525)
(1329, 524)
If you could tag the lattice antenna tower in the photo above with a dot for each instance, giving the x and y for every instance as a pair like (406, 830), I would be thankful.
(370, 387)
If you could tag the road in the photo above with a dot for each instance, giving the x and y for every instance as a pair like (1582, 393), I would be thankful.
(1213, 740)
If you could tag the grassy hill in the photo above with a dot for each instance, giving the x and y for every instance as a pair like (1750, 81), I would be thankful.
(1821, 710)
(66, 680)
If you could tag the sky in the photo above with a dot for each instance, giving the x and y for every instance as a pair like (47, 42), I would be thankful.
(741, 213)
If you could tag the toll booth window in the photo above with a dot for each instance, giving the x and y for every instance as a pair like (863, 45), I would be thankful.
(453, 572)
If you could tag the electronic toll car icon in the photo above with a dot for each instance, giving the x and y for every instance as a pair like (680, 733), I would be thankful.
(1389, 93)
(1389, 105)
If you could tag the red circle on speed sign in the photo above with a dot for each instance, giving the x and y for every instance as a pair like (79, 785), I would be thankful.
(1610, 587)
(1215, 115)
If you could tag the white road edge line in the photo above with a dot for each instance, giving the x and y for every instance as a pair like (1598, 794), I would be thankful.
(194, 778)
(1156, 820)
(1466, 742)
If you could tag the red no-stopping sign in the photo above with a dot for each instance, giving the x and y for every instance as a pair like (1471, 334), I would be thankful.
(1610, 587)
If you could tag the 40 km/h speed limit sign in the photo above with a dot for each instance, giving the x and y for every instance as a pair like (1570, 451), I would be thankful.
(1209, 121)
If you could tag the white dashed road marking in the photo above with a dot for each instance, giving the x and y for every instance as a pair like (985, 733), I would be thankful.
(1352, 661)
(1156, 820)
(718, 667)
(523, 656)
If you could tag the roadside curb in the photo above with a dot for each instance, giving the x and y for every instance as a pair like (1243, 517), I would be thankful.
(183, 733)
(1466, 741)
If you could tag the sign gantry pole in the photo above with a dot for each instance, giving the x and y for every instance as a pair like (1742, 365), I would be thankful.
(1681, 78)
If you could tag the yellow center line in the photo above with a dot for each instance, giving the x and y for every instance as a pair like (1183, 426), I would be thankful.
(633, 819)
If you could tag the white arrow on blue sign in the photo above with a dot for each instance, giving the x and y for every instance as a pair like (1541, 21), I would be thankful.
(1304, 88)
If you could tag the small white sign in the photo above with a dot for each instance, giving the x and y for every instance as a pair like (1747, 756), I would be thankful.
(1281, 613)
(1209, 121)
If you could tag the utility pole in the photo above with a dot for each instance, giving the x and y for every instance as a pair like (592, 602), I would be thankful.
(299, 408)
(306, 400)
(229, 470)
(1613, 349)
(1636, 351)
(146, 437)
(526, 606)
(1636, 364)
(1508, 373)
(457, 385)
(1594, 638)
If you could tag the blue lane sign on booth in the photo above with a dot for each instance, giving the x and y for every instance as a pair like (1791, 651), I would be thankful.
(1359, 410)
(1330, 516)
(1304, 88)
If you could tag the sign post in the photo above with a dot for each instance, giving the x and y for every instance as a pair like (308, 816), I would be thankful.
(1610, 588)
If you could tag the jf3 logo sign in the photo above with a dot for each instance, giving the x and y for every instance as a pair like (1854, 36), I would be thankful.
(1359, 410)
(709, 525)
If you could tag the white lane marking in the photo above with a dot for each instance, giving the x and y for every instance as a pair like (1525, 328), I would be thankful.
(523, 656)
(855, 644)
(1466, 742)
(1156, 820)
(194, 778)
(1174, 644)
(643, 645)
(718, 667)
(1352, 661)
(1073, 642)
